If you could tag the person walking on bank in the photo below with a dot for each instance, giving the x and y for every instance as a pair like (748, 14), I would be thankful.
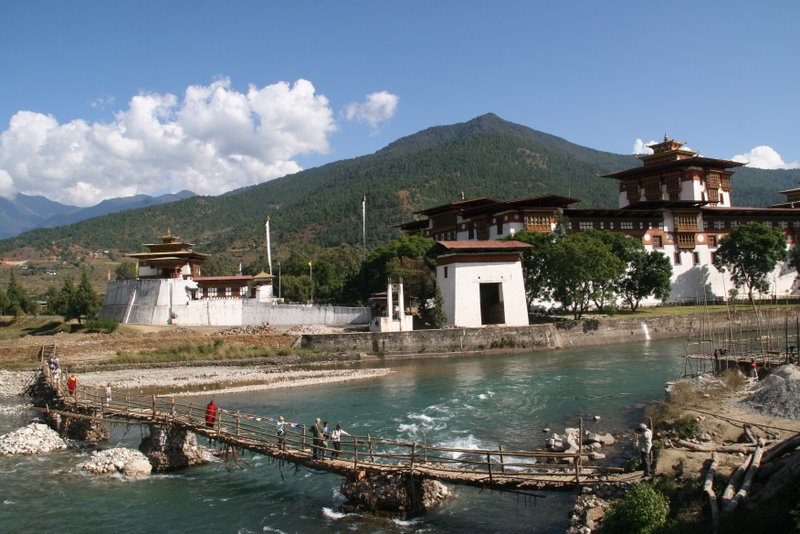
(644, 442)
(318, 443)
(754, 369)
(336, 437)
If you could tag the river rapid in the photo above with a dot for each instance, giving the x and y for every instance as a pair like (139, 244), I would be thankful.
(469, 401)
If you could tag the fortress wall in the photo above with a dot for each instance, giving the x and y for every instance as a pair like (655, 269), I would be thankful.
(162, 302)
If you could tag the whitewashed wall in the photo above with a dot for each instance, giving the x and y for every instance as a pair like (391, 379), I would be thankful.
(163, 302)
(461, 291)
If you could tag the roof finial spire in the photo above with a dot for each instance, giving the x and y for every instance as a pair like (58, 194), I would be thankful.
(665, 137)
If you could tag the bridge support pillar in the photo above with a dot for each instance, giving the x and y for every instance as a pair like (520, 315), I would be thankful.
(170, 448)
(392, 494)
(89, 430)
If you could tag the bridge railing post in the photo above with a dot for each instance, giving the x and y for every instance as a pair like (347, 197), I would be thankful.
(303, 444)
(154, 407)
(413, 453)
(355, 452)
(369, 445)
(173, 408)
(502, 463)
(489, 465)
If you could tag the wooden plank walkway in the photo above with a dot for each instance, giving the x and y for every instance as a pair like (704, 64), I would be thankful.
(496, 469)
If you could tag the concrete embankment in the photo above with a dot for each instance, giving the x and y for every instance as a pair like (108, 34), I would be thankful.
(557, 335)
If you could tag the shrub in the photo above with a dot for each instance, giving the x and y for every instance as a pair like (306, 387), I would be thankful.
(102, 325)
(643, 510)
(687, 427)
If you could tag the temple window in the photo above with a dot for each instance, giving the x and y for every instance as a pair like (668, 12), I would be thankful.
(676, 258)
(585, 225)
(626, 225)
(696, 258)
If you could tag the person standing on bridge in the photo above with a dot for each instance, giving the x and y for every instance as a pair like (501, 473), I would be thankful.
(319, 442)
(72, 384)
(281, 432)
(211, 414)
(644, 442)
(336, 437)
(107, 391)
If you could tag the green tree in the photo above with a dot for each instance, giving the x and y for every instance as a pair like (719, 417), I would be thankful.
(4, 304)
(410, 256)
(18, 300)
(535, 261)
(63, 302)
(750, 252)
(126, 270)
(87, 302)
(580, 267)
(648, 273)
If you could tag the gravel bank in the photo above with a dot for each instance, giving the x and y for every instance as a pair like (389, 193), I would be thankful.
(778, 394)
(217, 379)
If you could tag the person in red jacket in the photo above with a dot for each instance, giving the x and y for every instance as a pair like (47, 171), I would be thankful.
(211, 414)
(72, 384)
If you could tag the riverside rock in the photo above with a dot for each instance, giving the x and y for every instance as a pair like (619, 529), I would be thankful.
(36, 438)
(393, 494)
(129, 462)
(169, 448)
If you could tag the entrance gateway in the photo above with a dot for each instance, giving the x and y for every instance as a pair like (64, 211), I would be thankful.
(481, 282)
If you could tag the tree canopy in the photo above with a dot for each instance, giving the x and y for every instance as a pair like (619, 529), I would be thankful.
(750, 253)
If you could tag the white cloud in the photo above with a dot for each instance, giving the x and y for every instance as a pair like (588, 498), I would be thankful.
(765, 157)
(212, 140)
(640, 147)
(377, 107)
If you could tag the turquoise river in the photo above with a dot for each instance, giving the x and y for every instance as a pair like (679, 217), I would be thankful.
(468, 401)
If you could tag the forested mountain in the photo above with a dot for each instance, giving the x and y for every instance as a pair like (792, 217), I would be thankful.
(485, 156)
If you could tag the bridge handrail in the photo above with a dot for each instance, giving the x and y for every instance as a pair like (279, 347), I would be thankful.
(361, 450)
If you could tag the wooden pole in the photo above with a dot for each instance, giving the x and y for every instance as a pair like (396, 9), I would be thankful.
(369, 444)
(748, 479)
(708, 487)
(489, 465)
(355, 452)
(154, 407)
(413, 451)
(502, 464)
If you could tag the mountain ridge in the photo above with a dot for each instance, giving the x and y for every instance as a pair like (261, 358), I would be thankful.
(486, 156)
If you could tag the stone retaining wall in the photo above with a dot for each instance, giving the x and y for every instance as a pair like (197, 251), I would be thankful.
(564, 334)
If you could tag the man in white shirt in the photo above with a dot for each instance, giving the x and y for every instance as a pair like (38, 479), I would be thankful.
(644, 442)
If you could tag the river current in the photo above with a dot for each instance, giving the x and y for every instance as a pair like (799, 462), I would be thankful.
(471, 401)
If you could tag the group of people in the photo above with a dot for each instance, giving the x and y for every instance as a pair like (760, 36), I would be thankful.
(321, 434)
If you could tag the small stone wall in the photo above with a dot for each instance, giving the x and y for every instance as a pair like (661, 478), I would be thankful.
(564, 334)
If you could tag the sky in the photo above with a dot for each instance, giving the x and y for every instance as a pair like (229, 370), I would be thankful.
(104, 99)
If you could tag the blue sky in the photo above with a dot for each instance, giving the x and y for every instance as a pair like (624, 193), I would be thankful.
(102, 99)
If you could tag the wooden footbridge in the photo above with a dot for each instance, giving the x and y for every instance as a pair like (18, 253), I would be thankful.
(497, 469)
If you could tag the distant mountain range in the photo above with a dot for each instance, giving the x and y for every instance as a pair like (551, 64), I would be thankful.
(28, 212)
(486, 156)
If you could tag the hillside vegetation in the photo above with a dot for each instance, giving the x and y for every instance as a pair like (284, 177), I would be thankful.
(486, 156)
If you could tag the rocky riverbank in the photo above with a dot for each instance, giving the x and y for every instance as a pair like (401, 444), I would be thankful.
(129, 462)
